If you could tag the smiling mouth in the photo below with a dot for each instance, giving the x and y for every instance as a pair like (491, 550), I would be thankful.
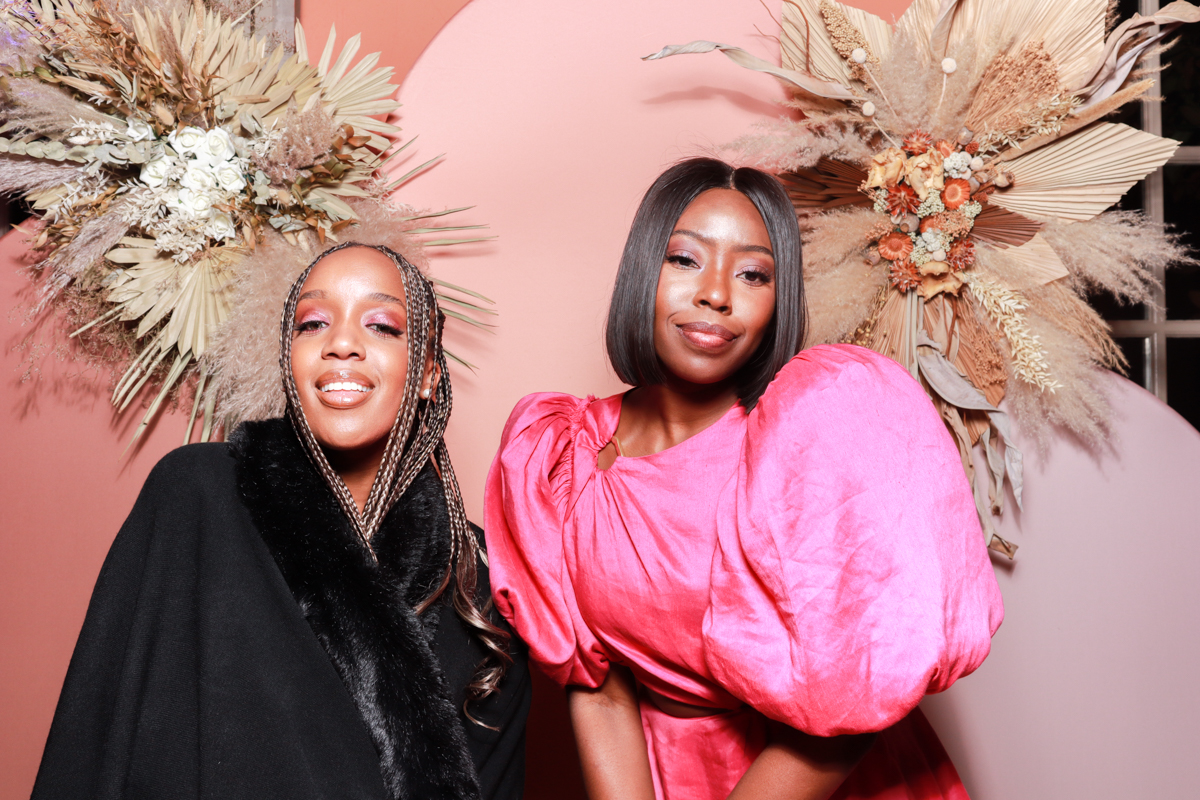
(344, 388)
(706, 335)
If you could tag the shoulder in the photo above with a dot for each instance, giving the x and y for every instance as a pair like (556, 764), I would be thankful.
(544, 428)
(844, 367)
(546, 409)
(841, 381)
(194, 469)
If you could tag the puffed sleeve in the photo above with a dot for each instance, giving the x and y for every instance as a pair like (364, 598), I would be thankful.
(528, 490)
(851, 576)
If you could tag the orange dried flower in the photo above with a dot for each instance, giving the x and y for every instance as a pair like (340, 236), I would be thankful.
(944, 147)
(962, 255)
(904, 275)
(878, 230)
(917, 142)
(895, 246)
(956, 192)
(972, 147)
(952, 223)
(902, 199)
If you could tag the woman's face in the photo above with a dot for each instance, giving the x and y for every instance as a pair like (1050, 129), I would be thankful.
(350, 349)
(716, 289)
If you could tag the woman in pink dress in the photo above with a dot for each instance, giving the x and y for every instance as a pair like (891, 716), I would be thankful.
(749, 569)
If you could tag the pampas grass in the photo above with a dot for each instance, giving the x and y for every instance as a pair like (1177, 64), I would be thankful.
(30, 175)
(305, 139)
(785, 144)
(37, 108)
(96, 237)
(1117, 252)
(839, 287)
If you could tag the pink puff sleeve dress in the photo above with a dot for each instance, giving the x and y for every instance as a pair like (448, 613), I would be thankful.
(816, 561)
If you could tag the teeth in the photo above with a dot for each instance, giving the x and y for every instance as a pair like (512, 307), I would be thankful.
(344, 386)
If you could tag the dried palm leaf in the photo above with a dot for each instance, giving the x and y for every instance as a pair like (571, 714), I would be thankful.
(1002, 228)
(1079, 176)
(807, 83)
(806, 43)
(831, 184)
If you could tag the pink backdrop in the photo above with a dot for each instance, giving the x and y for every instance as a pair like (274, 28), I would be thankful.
(553, 129)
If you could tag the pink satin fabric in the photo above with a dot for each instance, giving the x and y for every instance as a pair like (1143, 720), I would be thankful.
(817, 561)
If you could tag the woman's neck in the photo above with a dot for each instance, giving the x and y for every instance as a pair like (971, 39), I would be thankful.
(358, 469)
(654, 418)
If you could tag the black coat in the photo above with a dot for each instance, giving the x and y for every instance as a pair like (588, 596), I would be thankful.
(242, 643)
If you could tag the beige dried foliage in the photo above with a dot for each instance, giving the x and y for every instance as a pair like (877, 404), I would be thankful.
(96, 237)
(42, 109)
(905, 86)
(1061, 306)
(28, 175)
(839, 287)
(1011, 87)
(786, 144)
(17, 47)
(307, 138)
(845, 38)
(1078, 406)
(244, 353)
(1117, 251)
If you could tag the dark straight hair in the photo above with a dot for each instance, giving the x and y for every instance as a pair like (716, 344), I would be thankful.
(629, 333)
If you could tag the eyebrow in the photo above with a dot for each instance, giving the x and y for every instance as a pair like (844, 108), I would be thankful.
(749, 248)
(381, 297)
(378, 297)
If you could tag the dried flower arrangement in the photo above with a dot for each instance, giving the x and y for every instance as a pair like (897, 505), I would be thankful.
(182, 173)
(951, 176)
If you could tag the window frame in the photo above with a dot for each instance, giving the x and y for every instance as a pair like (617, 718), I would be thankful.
(1154, 329)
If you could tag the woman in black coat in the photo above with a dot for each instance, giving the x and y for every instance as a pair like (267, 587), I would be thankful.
(302, 612)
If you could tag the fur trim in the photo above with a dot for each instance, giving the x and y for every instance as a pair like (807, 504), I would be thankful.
(361, 609)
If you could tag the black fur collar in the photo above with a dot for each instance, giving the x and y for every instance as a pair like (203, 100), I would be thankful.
(360, 610)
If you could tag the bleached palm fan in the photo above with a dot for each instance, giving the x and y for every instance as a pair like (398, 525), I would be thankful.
(952, 175)
(184, 173)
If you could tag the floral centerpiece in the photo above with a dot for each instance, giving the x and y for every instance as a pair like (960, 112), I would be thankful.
(181, 172)
(953, 175)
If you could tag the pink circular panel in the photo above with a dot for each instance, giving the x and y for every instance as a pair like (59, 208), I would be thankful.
(553, 129)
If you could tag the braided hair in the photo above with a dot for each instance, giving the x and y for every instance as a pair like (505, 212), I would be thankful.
(417, 436)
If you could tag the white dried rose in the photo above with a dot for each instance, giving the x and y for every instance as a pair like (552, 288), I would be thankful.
(199, 177)
(195, 203)
(230, 177)
(220, 226)
(170, 199)
(155, 171)
(187, 141)
(218, 147)
(138, 130)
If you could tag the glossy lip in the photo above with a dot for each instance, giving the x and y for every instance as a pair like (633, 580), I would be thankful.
(706, 335)
(344, 398)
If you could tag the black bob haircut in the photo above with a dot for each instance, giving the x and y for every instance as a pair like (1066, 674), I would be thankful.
(629, 333)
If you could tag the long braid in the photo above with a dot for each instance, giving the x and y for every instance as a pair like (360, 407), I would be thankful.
(417, 437)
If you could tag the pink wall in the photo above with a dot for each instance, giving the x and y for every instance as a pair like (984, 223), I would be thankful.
(552, 129)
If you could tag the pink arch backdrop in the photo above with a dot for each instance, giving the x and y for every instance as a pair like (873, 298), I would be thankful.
(552, 129)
